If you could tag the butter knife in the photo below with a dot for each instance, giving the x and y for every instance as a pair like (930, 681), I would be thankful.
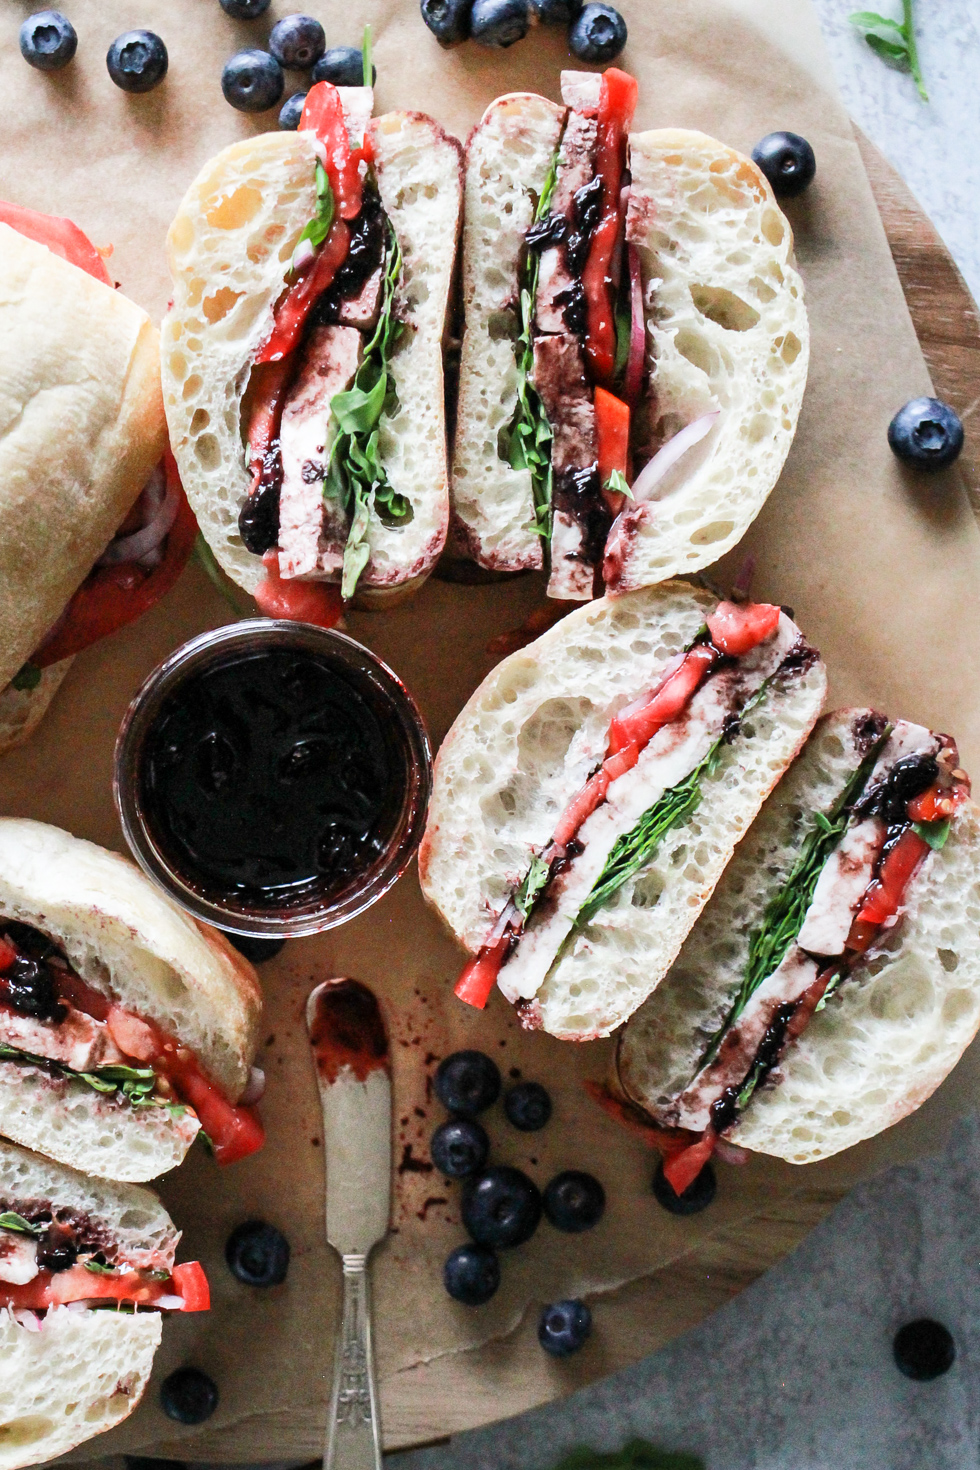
(350, 1050)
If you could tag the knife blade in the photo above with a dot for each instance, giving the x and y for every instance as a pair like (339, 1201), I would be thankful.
(350, 1051)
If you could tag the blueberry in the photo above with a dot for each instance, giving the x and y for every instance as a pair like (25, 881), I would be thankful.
(448, 20)
(574, 1201)
(788, 162)
(528, 1106)
(343, 66)
(563, 1327)
(467, 1082)
(257, 1254)
(244, 9)
(696, 1197)
(48, 40)
(459, 1148)
(499, 22)
(251, 946)
(556, 12)
(924, 1350)
(599, 34)
(189, 1396)
(252, 81)
(926, 433)
(137, 61)
(292, 110)
(501, 1207)
(471, 1274)
(297, 41)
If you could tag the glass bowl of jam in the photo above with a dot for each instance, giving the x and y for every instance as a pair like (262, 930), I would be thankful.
(273, 777)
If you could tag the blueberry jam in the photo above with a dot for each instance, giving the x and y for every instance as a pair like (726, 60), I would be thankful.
(268, 777)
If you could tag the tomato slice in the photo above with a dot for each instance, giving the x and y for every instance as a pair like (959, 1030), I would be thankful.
(617, 103)
(78, 1284)
(323, 114)
(191, 1283)
(478, 978)
(111, 597)
(319, 603)
(639, 722)
(8, 953)
(612, 422)
(736, 628)
(683, 1168)
(295, 307)
(59, 235)
(234, 1131)
(938, 802)
(885, 894)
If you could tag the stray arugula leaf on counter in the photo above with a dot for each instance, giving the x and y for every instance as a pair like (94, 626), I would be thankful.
(526, 443)
(893, 41)
(638, 1454)
(10, 1220)
(355, 475)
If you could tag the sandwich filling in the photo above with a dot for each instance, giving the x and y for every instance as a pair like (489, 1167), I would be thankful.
(846, 888)
(54, 1256)
(321, 385)
(659, 750)
(574, 337)
(53, 1021)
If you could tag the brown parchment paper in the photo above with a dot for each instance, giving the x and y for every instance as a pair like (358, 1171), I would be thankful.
(882, 569)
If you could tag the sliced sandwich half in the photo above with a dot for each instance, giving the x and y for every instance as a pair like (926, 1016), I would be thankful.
(590, 793)
(834, 979)
(302, 355)
(86, 1273)
(125, 1026)
(635, 348)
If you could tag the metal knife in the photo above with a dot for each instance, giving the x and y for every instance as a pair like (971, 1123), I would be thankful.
(350, 1050)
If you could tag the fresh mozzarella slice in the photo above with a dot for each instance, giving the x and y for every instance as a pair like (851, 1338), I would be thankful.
(841, 887)
(18, 1258)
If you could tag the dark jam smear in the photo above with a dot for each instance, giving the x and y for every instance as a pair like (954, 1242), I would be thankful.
(269, 779)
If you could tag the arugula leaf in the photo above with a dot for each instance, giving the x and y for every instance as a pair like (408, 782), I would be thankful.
(136, 1085)
(27, 677)
(618, 484)
(10, 1220)
(533, 885)
(935, 833)
(367, 74)
(783, 916)
(526, 442)
(893, 41)
(355, 476)
(100, 1268)
(318, 228)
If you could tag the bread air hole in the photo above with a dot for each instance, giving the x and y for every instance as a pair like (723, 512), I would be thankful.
(235, 209)
(724, 307)
(26, 1430)
(217, 306)
(715, 531)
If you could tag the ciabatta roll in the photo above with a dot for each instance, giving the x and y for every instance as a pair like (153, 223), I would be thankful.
(590, 793)
(124, 1024)
(834, 979)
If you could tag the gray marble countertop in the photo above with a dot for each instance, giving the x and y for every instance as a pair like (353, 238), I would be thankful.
(797, 1373)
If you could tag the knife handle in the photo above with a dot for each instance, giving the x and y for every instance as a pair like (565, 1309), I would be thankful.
(353, 1430)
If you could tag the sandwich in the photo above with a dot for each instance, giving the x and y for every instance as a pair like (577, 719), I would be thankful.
(834, 979)
(590, 793)
(125, 1026)
(86, 1274)
(94, 527)
(302, 354)
(635, 346)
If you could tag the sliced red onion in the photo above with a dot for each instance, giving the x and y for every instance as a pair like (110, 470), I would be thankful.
(169, 1303)
(254, 1088)
(664, 460)
(85, 1306)
(634, 363)
(162, 513)
(731, 1153)
(303, 255)
(26, 1318)
(319, 148)
(742, 585)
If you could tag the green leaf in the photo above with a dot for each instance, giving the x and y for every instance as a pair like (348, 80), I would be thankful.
(237, 601)
(367, 73)
(532, 887)
(869, 20)
(358, 410)
(27, 677)
(318, 228)
(892, 40)
(618, 484)
(10, 1220)
(935, 833)
(358, 550)
(889, 50)
(99, 1268)
(624, 322)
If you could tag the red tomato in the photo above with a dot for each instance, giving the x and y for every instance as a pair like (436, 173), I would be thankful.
(736, 628)
(292, 311)
(480, 976)
(8, 953)
(639, 722)
(938, 803)
(59, 235)
(110, 597)
(612, 422)
(234, 1131)
(85, 998)
(683, 1168)
(616, 106)
(191, 1283)
(323, 114)
(269, 385)
(319, 603)
(884, 896)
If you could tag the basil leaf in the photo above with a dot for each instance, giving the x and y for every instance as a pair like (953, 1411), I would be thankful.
(534, 882)
(10, 1220)
(27, 677)
(99, 1268)
(318, 228)
(617, 483)
(935, 833)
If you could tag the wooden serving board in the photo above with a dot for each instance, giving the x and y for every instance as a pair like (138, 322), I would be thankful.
(456, 1390)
